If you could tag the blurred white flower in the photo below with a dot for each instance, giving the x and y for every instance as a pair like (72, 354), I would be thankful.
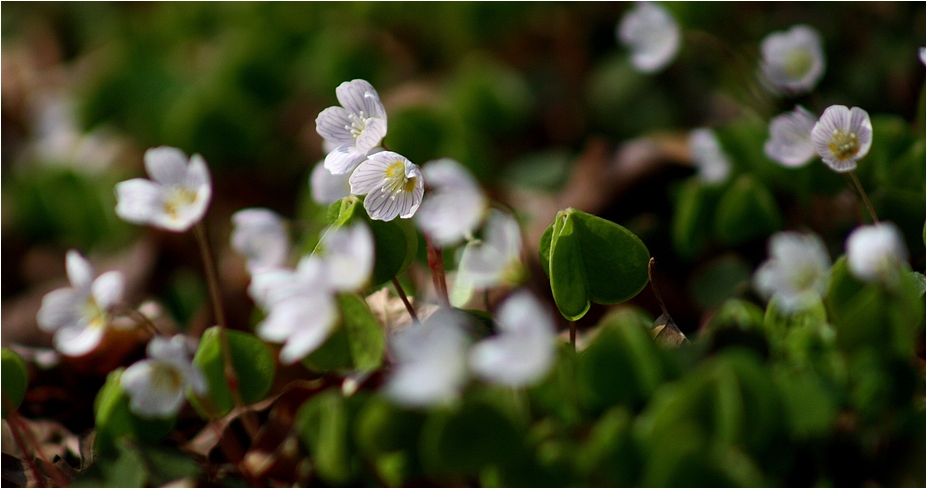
(793, 60)
(176, 199)
(301, 310)
(708, 156)
(455, 204)
(328, 188)
(842, 136)
(489, 262)
(157, 386)
(355, 128)
(78, 315)
(875, 253)
(524, 350)
(921, 54)
(394, 186)
(259, 235)
(349, 255)
(431, 362)
(58, 139)
(796, 272)
(651, 33)
(789, 140)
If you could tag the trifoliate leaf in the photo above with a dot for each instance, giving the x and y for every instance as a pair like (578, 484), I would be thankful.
(252, 360)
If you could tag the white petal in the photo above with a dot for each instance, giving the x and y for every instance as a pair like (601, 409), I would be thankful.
(77, 340)
(793, 60)
(369, 176)
(875, 253)
(312, 331)
(172, 350)
(349, 255)
(327, 187)
(60, 307)
(796, 272)
(166, 165)
(80, 271)
(652, 35)
(789, 140)
(150, 395)
(708, 156)
(359, 95)
(333, 125)
(197, 175)
(267, 283)
(381, 205)
(259, 235)
(108, 289)
(370, 137)
(861, 126)
(138, 200)
(343, 159)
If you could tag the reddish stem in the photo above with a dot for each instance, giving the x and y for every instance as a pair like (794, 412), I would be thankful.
(436, 263)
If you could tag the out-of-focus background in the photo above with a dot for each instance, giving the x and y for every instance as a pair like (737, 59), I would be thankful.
(537, 99)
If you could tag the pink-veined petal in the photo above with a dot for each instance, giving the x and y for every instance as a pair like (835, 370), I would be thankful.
(358, 96)
(369, 176)
(370, 137)
(334, 125)
(343, 159)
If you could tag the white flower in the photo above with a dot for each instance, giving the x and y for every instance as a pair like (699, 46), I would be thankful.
(875, 253)
(260, 236)
(922, 54)
(302, 310)
(394, 186)
(78, 315)
(793, 60)
(789, 140)
(176, 199)
(431, 361)
(708, 156)
(355, 128)
(327, 187)
(651, 34)
(842, 136)
(524, 350)
(157, 386)
(349, 255)
(796, 272)
(454, 206)
(488, 262)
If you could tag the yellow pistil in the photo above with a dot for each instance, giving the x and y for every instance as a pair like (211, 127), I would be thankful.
(396, 179)
(798, 63)
(164, 377)
(176, 198)
(843, 145)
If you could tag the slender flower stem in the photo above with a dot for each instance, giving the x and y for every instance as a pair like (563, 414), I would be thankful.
(212, 280)
(653, 286)
(862, 194)
(22, 436)
(573, 335)
(143, 320)
(405, 300)
(436, 263)
(17, 437)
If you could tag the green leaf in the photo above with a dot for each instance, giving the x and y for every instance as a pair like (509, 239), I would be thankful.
(692, 217)
(747, 210)
(720, 279)
(395, 242)
(622, 365)
(114, 419)
(322, 423)
(366, 337)
(15, 378)
(810, 405)
(592, 260)
(382, 427)
(466, 442)
(334, 354)
(608, 457)
(252, 360)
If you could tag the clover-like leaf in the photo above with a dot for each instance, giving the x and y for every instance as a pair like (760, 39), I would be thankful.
(252, 360)
(589, 259)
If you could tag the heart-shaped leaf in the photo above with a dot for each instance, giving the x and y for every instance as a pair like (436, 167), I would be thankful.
(252, 360)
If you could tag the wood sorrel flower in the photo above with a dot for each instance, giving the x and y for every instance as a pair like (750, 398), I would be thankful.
(490, 261)
(651, 34)
(327, 187)
(157, 386)
(523, 351)
(177, 197)
(431, 362)
(454, 206)
(789, 140)
(78, 315)
(842, 136)
(394, 186)
(355, 128)
(708, 156)
(793, 60)
(796, 271)
(260, 236)
(875, 253)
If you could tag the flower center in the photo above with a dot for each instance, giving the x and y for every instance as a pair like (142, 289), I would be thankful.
(397, 181)
(96, 315)
(165, 377)
(176, 198)
(358, 123)
(798, 62)
(843, 145)
(805, 278)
